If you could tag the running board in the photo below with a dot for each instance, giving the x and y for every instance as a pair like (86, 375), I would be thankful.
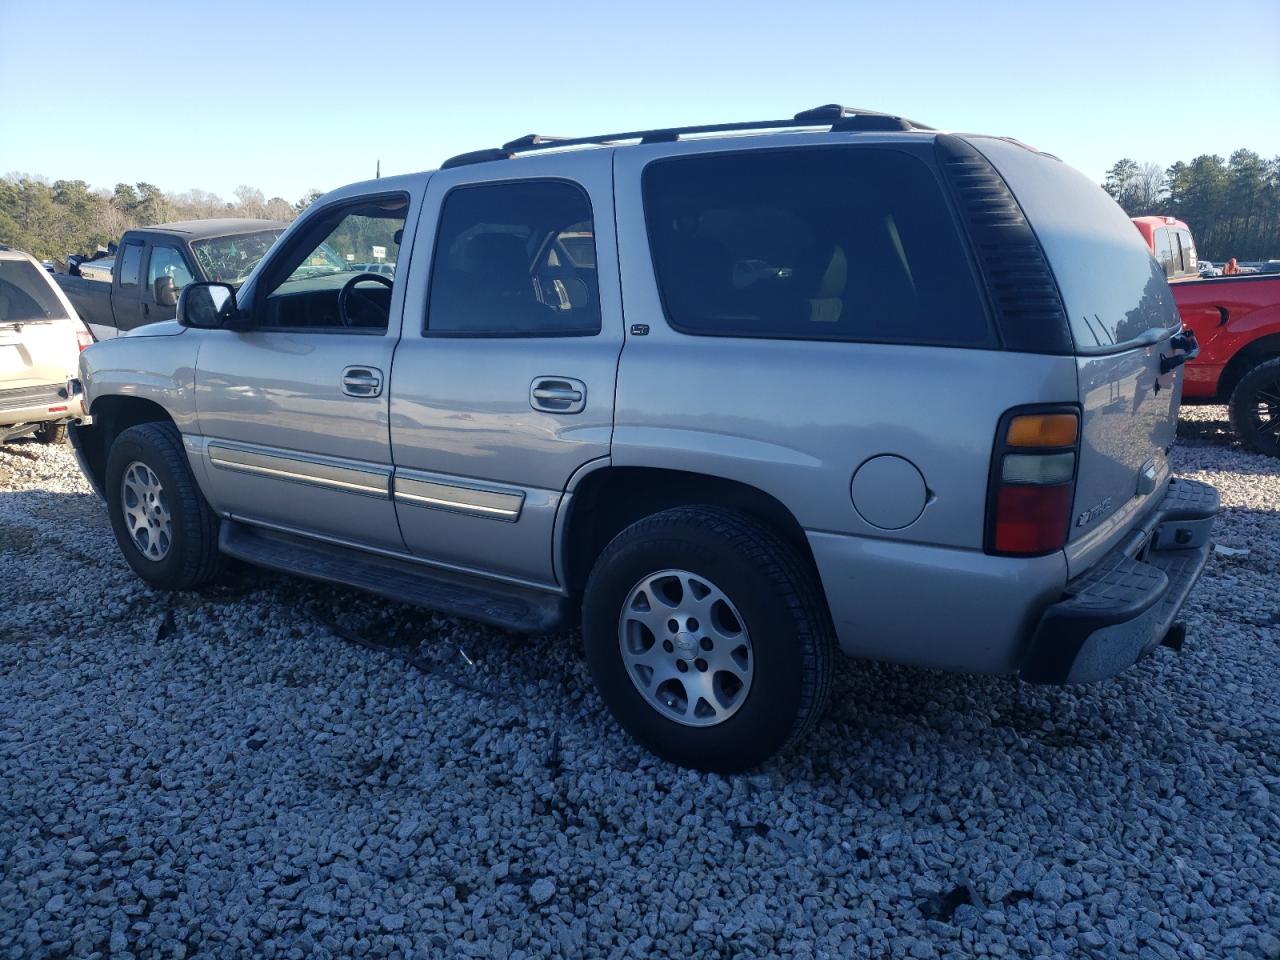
(512, 607)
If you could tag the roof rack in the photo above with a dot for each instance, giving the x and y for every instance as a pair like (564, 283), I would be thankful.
(832, 115)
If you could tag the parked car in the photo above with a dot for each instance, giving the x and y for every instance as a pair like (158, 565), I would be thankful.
(40, 343)
(385, 269)
(153, 264)
(935, 430)
(1208, 269)
(1169, 240)
(1270, 266)
(1237, 323)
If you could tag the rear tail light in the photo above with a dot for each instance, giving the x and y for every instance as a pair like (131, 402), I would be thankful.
(84, 339)
(1033, 473)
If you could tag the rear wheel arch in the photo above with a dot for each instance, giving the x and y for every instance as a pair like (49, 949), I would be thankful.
(610, 499)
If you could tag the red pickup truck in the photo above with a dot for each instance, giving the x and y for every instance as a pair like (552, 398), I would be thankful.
(1237, 323)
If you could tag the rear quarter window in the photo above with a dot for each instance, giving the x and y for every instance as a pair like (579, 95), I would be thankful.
(1113, 290)
(834, 243)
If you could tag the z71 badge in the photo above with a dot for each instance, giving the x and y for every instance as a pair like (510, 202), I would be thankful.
(1093, 513)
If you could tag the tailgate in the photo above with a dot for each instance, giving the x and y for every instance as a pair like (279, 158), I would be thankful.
(37, 352)
(1122, 317)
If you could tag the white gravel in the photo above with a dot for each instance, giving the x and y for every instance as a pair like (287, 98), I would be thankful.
(224, 776)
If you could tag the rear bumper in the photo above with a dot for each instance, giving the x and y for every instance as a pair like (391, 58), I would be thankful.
(1126, 604)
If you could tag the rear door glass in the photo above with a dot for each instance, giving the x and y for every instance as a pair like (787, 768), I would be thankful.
(25, 293)
(816, 244)
(130, 264)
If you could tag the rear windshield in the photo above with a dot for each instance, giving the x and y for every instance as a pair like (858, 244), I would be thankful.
(843, 243)
(25, 293)
(232, 259)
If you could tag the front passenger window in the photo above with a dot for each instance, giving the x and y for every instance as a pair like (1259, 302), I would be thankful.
(323, 283)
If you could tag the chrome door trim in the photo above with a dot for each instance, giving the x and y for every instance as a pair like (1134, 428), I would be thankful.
(397, 555)
(458, 496)
(356, 478)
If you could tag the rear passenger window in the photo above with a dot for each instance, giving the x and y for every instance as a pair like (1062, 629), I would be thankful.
(515, 259)
(815, 244)
(130, 264)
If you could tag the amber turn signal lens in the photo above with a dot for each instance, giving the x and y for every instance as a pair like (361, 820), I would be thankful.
(1043, 430)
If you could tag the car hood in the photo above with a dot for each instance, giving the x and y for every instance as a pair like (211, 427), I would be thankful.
(165, 328)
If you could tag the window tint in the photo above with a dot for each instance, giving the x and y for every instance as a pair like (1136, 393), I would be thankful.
(1189, 263)
(515, 259)
(167, 262)
(130, 264)
(829, 244)
(25, 293)
(305, 287)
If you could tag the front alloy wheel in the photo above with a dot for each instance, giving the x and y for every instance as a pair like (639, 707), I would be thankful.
(146, 513)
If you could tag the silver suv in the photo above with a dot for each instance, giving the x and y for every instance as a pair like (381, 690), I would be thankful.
(733, 395)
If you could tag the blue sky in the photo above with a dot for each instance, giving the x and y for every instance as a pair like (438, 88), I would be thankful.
(286, 96)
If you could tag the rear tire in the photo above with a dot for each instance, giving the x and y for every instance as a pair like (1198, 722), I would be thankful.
(52, 433)
(1255, 408)
(168, 534)
(770, 618)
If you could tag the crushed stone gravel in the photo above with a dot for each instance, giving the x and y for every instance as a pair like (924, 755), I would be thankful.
(227, 774)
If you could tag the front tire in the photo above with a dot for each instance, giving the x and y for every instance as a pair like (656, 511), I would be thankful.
(708, 638)
(164, 526)
(1255, 408)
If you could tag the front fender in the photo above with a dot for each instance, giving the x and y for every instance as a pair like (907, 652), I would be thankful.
(159, 369)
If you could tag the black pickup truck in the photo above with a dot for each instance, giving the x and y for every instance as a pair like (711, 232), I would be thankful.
(153, 264)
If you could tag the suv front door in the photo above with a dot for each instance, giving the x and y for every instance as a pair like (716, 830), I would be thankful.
(504, 378)
(293, 410)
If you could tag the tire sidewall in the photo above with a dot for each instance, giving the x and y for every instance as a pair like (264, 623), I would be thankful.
(764, 721)
(171, 568)
(1243, 403)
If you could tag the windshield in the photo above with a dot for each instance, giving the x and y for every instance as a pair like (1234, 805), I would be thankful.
(323, 261)
(232, 259)
(25, 293)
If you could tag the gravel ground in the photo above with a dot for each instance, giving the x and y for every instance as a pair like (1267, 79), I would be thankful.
(230, 775)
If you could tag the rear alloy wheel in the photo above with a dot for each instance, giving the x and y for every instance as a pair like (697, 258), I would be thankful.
(165, 529)
(1255, 408)
(708, 638)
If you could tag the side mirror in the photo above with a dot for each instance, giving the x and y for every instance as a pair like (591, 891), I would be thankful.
(166, 292)
(207, 306)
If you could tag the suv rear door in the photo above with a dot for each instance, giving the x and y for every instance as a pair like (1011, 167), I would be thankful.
(1122, 318)
(504, 377)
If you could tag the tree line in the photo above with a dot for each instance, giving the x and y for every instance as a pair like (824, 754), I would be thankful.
(53, 220)
(1232, 207)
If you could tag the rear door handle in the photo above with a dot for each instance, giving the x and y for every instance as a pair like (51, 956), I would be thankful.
(558, 395)
(362, 382)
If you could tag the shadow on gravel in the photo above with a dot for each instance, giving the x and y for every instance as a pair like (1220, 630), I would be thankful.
(1215, 432)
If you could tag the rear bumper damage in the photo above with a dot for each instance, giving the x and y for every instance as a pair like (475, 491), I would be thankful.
(1127, 604)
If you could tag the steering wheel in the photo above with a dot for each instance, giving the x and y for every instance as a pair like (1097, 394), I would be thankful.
(344, 295)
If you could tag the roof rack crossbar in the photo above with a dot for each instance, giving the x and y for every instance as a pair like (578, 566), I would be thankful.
(831, 115)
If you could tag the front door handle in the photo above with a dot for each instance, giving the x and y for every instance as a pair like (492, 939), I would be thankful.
(362, 382)
(558, 395)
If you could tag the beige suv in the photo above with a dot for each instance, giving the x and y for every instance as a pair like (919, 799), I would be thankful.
(40, 343)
